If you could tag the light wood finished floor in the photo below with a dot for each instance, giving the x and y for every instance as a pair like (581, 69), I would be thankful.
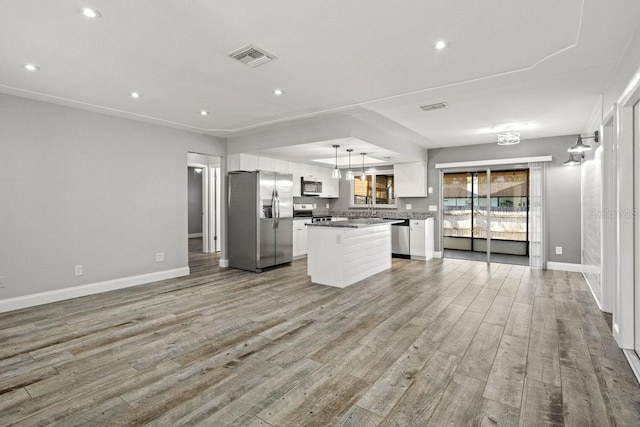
(447, 342)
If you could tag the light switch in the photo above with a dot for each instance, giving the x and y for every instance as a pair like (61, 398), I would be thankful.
(408, 206)
(430, 190)
(433, 208)
(327, 206)
(558, 250)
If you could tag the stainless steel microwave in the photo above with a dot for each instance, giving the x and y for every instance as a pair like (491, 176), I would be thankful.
(310, 188)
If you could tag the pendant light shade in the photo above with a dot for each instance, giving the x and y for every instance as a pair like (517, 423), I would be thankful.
(349, 176)
(580, 147)
(573, 161)
(363, 176)
(336, 172)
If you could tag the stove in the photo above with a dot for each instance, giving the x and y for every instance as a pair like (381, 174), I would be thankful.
(321, 218)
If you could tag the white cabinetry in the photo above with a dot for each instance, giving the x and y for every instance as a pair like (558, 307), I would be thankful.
(330, 186)
(265, 164)
(281, 166)
(300, 237)
(250, 162)
(242, 162)
(410, 179)
(421, 239)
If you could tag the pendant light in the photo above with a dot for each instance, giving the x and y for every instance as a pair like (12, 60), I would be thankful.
(363, 176)
(349, 176)
(336, 172)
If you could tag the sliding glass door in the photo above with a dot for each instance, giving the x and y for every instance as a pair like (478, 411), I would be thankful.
(486, 211)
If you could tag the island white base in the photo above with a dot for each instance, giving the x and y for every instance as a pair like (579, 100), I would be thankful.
(343, 256)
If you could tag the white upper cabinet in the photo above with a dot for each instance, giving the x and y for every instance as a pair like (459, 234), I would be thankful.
(410, 179)
(281, 166)
(250, 162)
(330, 186)
(242, 162)
(265, 163)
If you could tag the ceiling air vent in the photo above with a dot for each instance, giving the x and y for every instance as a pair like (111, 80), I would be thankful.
(437, 106)
(251, 56)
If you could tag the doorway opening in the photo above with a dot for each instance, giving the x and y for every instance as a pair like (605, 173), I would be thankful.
(486, 215)
(203, 205)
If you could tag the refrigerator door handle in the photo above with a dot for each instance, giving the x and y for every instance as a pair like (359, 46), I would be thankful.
(277, 208)
(273, 206)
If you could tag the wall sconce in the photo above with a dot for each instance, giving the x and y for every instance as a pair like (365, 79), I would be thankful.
(580, 147)
(574, 159)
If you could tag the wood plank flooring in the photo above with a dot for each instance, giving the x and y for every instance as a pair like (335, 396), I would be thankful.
(447, 342)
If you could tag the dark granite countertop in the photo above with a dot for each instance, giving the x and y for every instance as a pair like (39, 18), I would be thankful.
(355, 223)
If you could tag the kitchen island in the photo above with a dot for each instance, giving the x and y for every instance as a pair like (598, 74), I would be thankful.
(342, 253)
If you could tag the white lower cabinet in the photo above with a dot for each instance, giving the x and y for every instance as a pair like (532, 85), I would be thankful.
(421, 239)
(300, 244)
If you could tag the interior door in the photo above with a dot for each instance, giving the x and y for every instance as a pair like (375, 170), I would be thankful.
(636, 206)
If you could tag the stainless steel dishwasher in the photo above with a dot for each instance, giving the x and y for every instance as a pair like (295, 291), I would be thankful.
(400, 239)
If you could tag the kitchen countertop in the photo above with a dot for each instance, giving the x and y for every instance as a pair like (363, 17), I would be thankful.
(384, 213)
(355, 223)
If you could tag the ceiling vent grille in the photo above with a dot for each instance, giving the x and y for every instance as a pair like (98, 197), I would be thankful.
(251, 56)
(437, 106)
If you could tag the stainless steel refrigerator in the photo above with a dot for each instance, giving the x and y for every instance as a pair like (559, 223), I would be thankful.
(260, 219)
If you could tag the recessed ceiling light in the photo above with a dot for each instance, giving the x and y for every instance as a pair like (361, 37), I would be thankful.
(204, 113)
(31, 67)
(440, 44)
(135, 95)
(278, 92)
(90, 13)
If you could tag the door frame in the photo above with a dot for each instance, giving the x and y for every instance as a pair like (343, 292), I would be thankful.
(486, 167)
(211, 199)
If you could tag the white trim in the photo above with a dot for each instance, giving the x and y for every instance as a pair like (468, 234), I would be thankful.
(634, 361)
(564, 266)
(224, 263)
(437, 254)
(194, 235)
(493, 162)
(25, 301)
(595, 297)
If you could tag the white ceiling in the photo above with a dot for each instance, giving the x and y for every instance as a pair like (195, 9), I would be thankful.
(540, 64)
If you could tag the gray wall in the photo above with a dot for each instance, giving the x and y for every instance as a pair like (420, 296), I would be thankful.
(84, 188)
(563, 187)
(195, 200)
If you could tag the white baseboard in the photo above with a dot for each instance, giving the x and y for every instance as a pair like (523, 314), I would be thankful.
(25, 301)
(632, 357)
(595, 297)
(192, 235)
(224, 263)
(437, 254)
(564, 266)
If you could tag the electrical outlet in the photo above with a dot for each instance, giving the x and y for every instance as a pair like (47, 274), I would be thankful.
(160, 257)
(430, 190)
(327, 206)
(408, 206)
(558, 250)
(433, 208)
(78, 270)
